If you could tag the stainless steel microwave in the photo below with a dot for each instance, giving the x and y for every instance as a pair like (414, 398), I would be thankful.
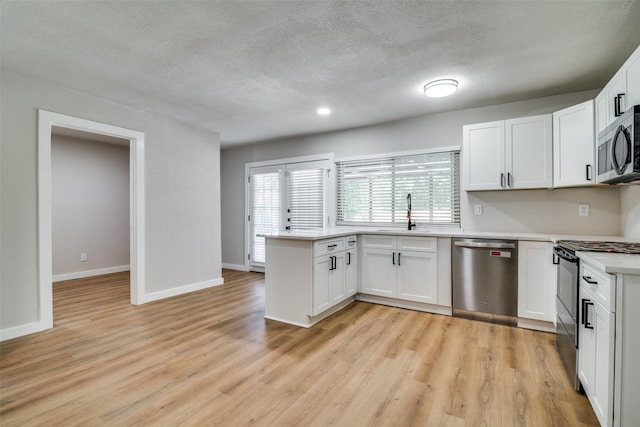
(619, 149)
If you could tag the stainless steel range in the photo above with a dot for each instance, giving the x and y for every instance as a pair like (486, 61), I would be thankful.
(567, 337)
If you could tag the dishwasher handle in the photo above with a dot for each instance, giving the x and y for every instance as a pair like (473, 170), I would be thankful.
(485, 245)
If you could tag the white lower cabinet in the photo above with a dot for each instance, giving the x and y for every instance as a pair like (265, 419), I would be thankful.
(609, 343)
(407, 271)
(536, 281)
(596, 357)
(334, 272)
(351, 272)
(378, 272)
(417, 276)
(328, 281)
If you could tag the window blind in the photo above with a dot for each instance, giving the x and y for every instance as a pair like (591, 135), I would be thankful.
(305, 198)
(375, 191)
(265, 210)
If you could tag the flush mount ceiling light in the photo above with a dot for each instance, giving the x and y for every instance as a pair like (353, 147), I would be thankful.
(324, 111)
(440, 88)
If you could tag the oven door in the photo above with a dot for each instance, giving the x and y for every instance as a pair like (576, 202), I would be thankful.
(567, 290)
(566, 345)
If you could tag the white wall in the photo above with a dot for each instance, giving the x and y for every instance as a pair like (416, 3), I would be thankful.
(541, 211)
(182, 179)
(630, 207)
(90, 206)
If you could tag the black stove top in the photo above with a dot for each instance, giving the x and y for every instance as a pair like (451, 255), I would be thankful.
(617, 247)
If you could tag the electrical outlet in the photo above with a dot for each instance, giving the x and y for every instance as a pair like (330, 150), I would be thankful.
(583, 210)
(477, 209)
(84, 257)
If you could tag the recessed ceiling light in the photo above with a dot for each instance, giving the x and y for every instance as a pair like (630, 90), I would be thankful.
(324, 111)
(440, 88)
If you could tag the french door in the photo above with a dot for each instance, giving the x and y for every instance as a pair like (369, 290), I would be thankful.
(284, 197)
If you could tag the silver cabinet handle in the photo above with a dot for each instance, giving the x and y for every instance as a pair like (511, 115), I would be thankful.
(485, 245)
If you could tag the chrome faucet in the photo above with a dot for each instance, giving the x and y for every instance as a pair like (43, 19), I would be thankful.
(410, 224)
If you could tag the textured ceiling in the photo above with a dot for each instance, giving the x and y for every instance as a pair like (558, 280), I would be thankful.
(258, 70)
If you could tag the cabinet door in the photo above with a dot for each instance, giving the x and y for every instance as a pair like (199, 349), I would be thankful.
(574, 146)
(529, 152)
(336, 279)
(350, 272)
(632, 74)
(602, 398)
(595, 355)
(483, 156)
(616, 86)
(417, 276)
(321, 277)
(536, 281)
(587, 348)
(602, 111)
(378, 272)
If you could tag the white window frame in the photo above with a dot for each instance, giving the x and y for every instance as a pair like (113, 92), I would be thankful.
(330, 192)
(390, 155)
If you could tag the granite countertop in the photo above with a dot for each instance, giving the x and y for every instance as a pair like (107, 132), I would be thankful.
(611, 262)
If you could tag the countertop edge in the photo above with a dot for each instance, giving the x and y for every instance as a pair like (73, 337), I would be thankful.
(336, 232)
(612, 263)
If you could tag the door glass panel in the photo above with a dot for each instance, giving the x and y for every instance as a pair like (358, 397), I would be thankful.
(265, 211)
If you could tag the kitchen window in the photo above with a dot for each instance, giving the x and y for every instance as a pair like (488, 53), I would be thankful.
(374, 191)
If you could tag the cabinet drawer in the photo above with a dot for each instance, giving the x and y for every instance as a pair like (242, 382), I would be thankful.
(351, 242)
(426, 244)
(379, 242)
(599, 285)
(324, 247)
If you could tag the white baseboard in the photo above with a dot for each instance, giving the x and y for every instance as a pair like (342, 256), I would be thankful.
(18, 331)
(167, 293)
(536, 325)
(238, 267)
(90, 273)
(411, 305)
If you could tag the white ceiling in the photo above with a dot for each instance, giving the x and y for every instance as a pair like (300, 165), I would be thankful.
(256, 71)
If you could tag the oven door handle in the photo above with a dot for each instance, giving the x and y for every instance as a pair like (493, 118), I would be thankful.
(619, 168)
(562, 256)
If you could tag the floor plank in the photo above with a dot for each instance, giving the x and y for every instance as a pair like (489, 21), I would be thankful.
(210, 358)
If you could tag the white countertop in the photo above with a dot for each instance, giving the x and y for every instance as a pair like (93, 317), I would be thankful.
(612, 263)
(328, 233)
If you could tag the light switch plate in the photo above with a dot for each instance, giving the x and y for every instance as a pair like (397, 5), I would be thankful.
(583, 210)
(477, 209)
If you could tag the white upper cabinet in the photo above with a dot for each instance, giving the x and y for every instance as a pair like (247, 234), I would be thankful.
(508, 154)
(621, 93)
(529, 152)
(483, 156)
(632, 76)
(574, 146)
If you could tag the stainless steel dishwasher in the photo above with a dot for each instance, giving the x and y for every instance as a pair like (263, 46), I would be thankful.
(485, 279)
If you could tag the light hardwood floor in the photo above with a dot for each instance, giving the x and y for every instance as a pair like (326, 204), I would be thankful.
(209, 358)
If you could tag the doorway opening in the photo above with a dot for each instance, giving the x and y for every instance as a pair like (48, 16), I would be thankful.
(48, 124)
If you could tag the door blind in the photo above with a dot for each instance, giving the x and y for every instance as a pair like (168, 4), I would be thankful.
(375, 191)
(305, 198)
(265, 211)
